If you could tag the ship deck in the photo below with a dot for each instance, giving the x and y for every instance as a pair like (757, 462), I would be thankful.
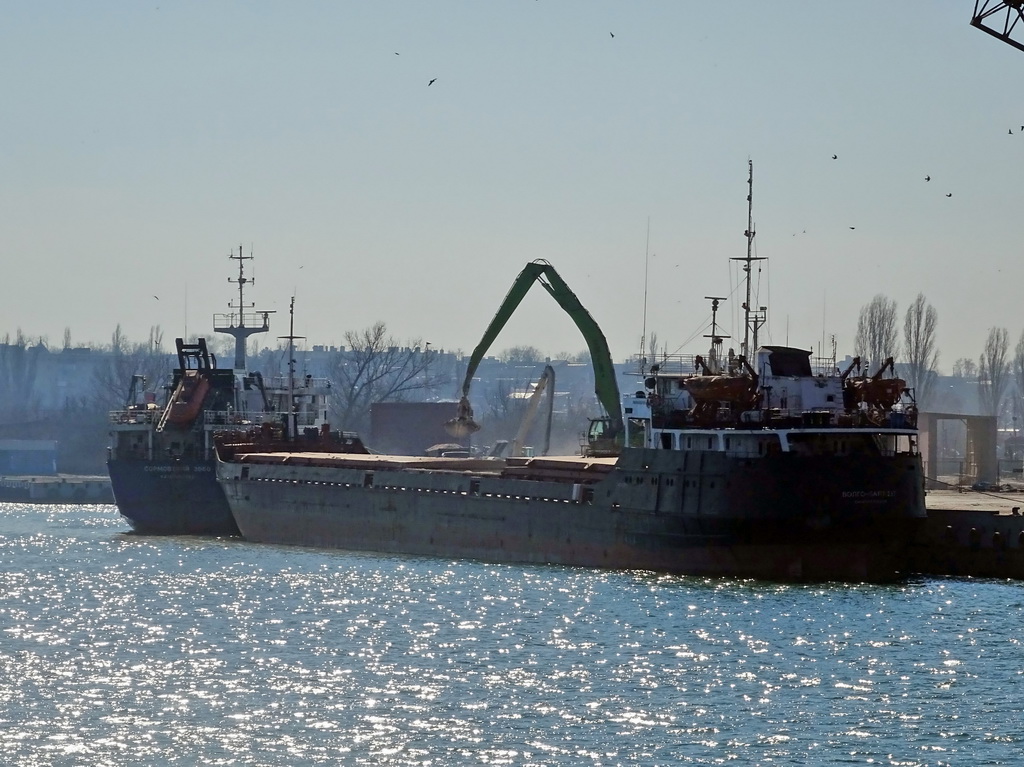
(565, 468)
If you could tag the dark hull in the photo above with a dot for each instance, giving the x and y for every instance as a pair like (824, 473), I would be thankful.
(781, 518)
(171, 497)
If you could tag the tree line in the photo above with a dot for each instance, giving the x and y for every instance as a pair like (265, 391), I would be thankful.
(372, 366)
(996, 374)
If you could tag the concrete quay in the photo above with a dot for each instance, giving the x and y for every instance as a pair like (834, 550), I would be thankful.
(56, 488)
(971, 533)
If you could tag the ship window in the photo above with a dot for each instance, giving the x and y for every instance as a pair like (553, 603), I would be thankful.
(666, 441)
(368, 479)
(709, 442)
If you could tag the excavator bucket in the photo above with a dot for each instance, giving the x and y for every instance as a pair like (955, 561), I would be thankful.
(462, 425)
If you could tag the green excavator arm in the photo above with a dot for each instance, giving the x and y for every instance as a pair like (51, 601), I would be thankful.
(541, 271)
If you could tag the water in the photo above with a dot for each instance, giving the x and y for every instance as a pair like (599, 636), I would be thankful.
(126, 650)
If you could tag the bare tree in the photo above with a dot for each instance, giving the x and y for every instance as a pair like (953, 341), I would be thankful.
(112, 379)
(877, 336)
(504, 407)
(375, 368)
(18, 362)
(582, 356)
(993, 371)
(965, 368)
(522, 355)
(1018, 378)
(922, 358)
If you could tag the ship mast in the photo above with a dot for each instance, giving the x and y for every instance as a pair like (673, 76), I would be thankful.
(292, 338)
(752, 319)
(715, 352)
(241, 325)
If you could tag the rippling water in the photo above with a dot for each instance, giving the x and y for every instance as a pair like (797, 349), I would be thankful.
(127, 650)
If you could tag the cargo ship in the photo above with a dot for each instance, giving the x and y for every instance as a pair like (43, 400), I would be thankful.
(716, 465)
(161, 455)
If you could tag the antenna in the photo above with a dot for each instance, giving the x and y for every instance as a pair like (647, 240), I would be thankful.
(750, 322)
(236, 324)
(643, 332)
(292, 338)
(715, 353)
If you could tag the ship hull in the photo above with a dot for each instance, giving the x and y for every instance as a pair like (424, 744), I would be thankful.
(697, 514)
(173, 497)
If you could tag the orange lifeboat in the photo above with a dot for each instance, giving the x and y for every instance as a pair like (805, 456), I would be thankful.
(877, 392)
(188, 399)
(739, 389)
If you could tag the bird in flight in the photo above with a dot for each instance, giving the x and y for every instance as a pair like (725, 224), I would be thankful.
(157, 297)
(612, 34)
(431, 82)
(927, 178)
(835, 157)
(950, 194)
(853, 227)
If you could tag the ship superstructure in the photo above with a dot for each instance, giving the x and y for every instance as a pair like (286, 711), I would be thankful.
(161, 460)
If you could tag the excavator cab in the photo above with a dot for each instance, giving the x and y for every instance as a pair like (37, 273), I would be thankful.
(603, 438)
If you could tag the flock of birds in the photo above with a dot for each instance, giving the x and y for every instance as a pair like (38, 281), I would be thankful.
(926, 178)
(834, 157)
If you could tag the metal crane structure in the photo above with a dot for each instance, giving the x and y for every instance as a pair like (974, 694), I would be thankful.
(605, 387)
(1010, 11)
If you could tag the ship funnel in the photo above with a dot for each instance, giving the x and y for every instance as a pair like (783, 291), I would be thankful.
(462, 425)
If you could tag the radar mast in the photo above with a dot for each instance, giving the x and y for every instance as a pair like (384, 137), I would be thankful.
(240, 323)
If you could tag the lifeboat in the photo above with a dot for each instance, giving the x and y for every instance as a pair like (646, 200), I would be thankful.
(188, 399)
(738, 389)
(876, 392)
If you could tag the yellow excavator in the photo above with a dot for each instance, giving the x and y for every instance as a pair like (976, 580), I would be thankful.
(605, 433)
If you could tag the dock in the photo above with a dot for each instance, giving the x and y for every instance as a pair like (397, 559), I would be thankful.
(971, 533)
(56, 488)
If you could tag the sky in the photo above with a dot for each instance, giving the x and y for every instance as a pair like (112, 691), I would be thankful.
(142, 143)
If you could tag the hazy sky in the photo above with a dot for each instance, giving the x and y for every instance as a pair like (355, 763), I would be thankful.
(141, 142)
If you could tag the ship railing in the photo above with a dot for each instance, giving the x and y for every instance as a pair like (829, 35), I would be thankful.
(674, 364)
(133, 416)
(300, 383)
(242, 320)
(241, 418)
(685, 364)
